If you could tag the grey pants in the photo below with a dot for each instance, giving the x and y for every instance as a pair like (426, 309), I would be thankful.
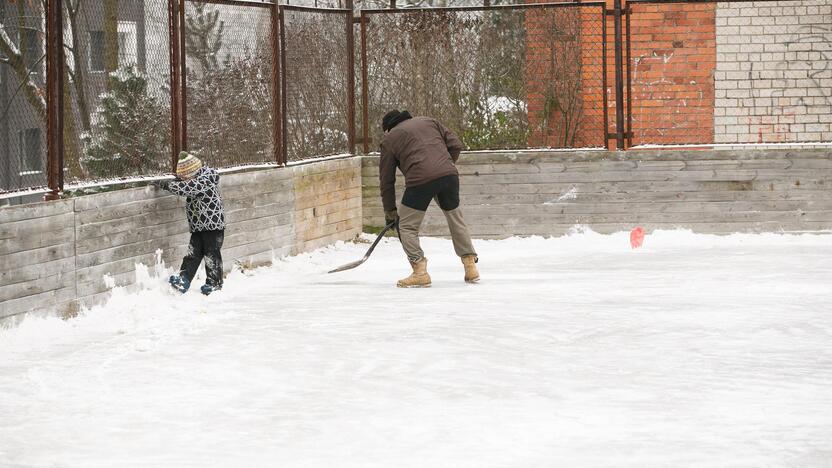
(410, 221)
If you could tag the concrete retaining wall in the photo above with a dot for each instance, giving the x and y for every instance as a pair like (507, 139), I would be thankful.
(547, 193)
(54, 255)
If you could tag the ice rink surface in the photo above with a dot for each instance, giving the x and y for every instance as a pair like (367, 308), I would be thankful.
(705, 351)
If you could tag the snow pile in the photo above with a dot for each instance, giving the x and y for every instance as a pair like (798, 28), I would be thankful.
(694, 350)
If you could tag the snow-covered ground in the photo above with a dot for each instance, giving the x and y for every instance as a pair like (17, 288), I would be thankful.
(575, 352)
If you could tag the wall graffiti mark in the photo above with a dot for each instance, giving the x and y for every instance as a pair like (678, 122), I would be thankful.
(808, 53)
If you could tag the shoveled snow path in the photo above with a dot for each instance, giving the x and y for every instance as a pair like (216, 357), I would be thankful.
(577, 351)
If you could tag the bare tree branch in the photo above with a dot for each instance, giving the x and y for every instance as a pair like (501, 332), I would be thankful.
(14, 57)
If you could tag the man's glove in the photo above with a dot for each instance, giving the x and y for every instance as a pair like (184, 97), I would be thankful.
(391, 216)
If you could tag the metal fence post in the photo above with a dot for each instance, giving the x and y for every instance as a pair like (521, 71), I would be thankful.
(365, 100)
(175, 82)
(54, 99)
(284, 122)
(619, 79)
(350, 79)
(628, 10)
(277, 109)
(183, 75)
(604, 69)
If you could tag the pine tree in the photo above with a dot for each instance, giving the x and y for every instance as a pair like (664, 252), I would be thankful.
(133, 132)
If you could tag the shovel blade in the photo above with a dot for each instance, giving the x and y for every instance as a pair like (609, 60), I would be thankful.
(348, 266)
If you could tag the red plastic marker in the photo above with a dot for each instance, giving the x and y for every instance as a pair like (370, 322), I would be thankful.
(636, 237)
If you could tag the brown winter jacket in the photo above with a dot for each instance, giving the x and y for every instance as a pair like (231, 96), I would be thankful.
(423, 149)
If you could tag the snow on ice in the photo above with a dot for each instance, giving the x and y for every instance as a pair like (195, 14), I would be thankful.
(694, 350)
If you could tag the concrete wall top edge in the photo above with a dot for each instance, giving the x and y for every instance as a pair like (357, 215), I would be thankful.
(87, 201)
(651, 154)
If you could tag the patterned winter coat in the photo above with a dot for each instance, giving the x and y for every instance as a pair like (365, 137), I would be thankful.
(203, 201)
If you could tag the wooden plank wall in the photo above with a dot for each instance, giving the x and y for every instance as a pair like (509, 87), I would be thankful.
(54, 256)
(327, 203)
(37, 257)
(116, 230)
(547, 193)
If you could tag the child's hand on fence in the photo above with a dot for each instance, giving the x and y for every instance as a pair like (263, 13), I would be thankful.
(160, 184)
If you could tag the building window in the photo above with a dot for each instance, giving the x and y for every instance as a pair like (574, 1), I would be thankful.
(128, 54)
(127, 47)
(97, 51)
(29, 145)
(30, 47)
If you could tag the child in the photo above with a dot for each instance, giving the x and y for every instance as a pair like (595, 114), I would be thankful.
(206, 220)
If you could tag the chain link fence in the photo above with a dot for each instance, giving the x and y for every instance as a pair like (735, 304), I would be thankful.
(230, 74)
(316, 82)
(22, 103)
(263, 83)
(500, 78)
(117, 78)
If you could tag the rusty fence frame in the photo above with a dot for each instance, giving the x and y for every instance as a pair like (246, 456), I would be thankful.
(178, 81)
(365, 15)
(350, 78)
(620, 41)
(278, 83)
(180, 141)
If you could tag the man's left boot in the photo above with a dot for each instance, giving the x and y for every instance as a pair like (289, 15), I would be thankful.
(470, 264)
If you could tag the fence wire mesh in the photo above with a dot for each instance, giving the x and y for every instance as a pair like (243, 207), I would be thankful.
(405, 4)
(500, 78)
(338, 4)
(22, 90)
(117, 72)
(508, 77)
(229, 91)
(315, 76)
(731, 72)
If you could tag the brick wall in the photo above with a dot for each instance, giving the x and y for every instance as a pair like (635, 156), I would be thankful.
(700, 73)
(673, 55)
(774, 72)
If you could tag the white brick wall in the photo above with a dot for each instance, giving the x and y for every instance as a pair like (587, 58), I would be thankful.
(773, 77)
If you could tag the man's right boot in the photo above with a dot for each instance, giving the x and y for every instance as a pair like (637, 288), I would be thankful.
(419, 278)
(470, 264)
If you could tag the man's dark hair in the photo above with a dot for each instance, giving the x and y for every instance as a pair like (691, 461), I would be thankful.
(393, 118)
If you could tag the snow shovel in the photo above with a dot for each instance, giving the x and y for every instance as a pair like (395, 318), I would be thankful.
(351, 265)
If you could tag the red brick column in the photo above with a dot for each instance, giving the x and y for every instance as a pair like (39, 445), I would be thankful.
(673, 58)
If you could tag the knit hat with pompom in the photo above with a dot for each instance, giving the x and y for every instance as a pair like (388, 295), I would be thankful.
(187, 166)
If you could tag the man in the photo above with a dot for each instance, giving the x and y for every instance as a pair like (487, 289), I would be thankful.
(426, 153)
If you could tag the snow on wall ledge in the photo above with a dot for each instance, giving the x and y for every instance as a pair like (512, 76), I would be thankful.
(56, 256)
(708, 191)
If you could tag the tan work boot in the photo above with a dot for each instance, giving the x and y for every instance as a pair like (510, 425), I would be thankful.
(419, 278)
(470, 264)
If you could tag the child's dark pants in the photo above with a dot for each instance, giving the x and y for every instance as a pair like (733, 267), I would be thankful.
(205, 244)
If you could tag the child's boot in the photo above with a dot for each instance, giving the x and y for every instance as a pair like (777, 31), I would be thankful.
(209, 288)
(179, 283)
